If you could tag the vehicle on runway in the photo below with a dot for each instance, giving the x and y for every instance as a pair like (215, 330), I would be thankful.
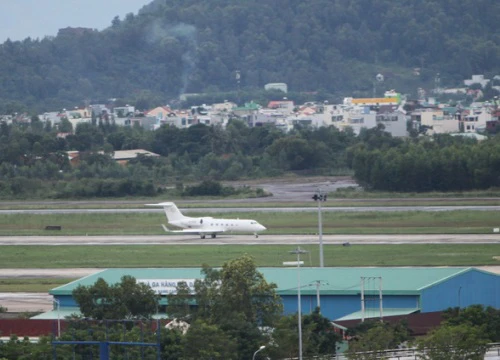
(206, 225)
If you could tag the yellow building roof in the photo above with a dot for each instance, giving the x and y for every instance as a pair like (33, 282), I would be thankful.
(384, 100)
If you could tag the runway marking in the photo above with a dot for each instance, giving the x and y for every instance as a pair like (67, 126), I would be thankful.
(251, 240)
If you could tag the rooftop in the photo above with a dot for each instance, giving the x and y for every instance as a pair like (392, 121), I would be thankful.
(333, 281)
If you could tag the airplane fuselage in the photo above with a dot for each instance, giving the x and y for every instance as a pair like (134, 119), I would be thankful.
(222, 225)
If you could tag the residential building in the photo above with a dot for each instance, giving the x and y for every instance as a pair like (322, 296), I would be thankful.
(99, 110)
(286, 107)
(393, 119)
(77, 113)
(124, 156)
(247, 113)
(226, 106)
(354, 117)
(475, 118)
(277, 86)
(54, 117)
(160, 112)
(438, 121)
(123, 111)
(477, 79)
(146, 122)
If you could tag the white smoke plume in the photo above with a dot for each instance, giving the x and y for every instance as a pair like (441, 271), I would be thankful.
(158, 32)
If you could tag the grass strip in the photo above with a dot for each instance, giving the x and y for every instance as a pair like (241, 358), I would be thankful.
(402, 222)
(269, 203)
(265, 255)
(31, 284)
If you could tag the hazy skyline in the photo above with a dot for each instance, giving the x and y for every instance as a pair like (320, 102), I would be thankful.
(20, 19)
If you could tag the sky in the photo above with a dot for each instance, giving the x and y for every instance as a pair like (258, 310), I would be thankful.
(20, 19)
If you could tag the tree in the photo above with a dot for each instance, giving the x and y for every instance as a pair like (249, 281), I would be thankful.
(487, 319)
(178, 303)
(205, 341)
(243, 290)
(124, 300)
(454, 343)
(371, 344)
(323, 339)
(65, 126)
(371, 338)
(239, 301)
(318, 336)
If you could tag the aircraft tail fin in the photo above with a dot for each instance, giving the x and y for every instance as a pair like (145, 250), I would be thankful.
(171, 211)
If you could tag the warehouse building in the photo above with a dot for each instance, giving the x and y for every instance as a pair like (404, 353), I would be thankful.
(342, 293)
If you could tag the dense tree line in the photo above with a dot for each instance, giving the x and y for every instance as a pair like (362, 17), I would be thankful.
(441, 163)
(173, 47)
(34, 162)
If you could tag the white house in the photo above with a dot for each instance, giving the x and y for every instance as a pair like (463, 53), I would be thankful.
(477, 79)
(393, 119)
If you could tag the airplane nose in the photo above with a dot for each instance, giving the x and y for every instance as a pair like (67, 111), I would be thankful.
(262, 228)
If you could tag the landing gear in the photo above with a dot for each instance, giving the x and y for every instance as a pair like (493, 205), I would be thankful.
(202, 236)
(256, 236)
(213, 236)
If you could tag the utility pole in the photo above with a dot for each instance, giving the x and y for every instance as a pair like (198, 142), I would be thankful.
(319, 197)
(318, 284)
(298, 252)
(363, 296)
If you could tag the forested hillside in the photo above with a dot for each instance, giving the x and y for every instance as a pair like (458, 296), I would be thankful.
(177, 46)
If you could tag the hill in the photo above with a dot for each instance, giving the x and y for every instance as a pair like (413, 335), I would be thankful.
(176, 46)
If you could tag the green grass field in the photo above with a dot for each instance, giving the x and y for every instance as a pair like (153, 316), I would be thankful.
(31, 284)
(404, 222)
(265, 255)
(335, 200)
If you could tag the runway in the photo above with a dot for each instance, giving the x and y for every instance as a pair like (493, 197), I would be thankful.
(436, 208)
(170, 240)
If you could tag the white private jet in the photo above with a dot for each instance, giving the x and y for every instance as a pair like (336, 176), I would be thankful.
(206, 225)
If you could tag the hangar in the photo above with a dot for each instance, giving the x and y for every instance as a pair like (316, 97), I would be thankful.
(343, 293)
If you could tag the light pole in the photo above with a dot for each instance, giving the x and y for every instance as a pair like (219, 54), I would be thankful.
(58, 317)
(459, 291)
(299, 251)
(255, 353)
(319, 197)
(238, 78)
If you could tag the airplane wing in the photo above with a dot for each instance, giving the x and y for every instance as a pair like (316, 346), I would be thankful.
(194, 231)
